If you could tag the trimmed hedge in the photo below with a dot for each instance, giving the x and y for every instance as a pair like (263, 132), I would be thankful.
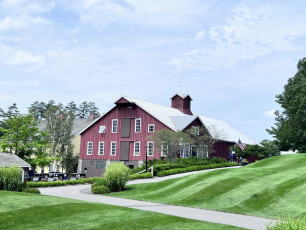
(99, 189)
(140, 176)
(194, 168)
(31, 190)
(61, 183)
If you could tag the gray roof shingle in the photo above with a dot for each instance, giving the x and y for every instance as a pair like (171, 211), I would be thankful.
(10, 159)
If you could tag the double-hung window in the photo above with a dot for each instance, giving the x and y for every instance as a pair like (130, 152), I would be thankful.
(195, 130)
(101, 148)
(113, 148)
(89, 148)
(114, 125)
(164, 150)
(150, 150)
(151, 128)
(137, 125)
(137, 148)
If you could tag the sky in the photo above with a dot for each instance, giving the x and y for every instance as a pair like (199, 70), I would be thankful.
(231, 57)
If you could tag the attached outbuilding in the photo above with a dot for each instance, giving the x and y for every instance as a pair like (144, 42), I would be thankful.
(10, 159)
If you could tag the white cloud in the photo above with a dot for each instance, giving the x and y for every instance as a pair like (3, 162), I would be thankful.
(150, 12)
(269, 113)
(23, 57)
(200, 35)
(249, 33)
(22, 22)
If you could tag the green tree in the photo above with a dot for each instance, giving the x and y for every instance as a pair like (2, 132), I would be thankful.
(290, 126)
(72, 107)
(38, 109)
(170, 142)
(59, 126)
(204, 140)
(87, 108)
(22, 137)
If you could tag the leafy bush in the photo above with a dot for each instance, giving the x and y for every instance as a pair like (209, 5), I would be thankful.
(99, 189)
(140, 176)
(193, 168)
(116, 176)
(10, 179)
(31, 190)
(290, 224)
(62, 183)
(101, 181)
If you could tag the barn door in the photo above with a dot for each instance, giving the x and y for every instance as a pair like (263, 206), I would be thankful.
(125, 127)
(124, 150)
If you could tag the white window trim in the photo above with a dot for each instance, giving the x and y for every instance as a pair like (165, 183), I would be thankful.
(162, 152)
(148, 144)
(113, 125)
(182, 153)
(138, 119)
(111, 148)
(138, 154)
(149, 128)
(196, 130)
(99, 153)
(89, 142)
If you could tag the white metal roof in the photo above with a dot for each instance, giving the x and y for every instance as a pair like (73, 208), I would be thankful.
(178, 121)
(219, 129)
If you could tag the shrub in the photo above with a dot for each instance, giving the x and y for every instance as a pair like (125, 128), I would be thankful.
(116, 176)
(99, 189)
(31, 190)
(290, 224)
(193, 168)
(140, 176)
(10, 179)
(101, 181)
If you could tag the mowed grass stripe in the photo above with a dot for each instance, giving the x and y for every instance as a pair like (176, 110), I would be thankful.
(247, 190)
(51, 213)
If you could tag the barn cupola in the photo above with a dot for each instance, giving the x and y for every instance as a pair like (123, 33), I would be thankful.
(182, 102)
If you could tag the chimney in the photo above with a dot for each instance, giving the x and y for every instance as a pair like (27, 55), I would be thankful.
(182, 102)
(92, 116)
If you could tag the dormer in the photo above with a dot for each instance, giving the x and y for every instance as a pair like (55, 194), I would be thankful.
(182, 102)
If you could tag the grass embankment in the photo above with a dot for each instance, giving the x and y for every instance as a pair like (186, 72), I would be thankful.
(30, 211)
(274, 187)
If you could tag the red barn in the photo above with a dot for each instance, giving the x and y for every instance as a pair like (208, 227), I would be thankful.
(121, 133)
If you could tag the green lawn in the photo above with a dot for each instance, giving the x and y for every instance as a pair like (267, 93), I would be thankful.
(31, 211)
(274, 187)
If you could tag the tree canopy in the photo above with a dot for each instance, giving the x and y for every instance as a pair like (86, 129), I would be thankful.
(22, 136)
(290, 125)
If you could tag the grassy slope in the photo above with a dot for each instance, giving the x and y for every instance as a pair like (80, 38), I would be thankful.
(31, 211)
(274, 187)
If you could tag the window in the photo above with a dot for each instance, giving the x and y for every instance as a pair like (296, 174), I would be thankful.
(182, 151)
(150, 149)
(195, 130)
(101, 148)
(89, 148)
(114, 125)
(100, 164)
(187, 150)
(164, 150)
(137, 125)
(102, 129)
(151, 128)
(113, 148)
(136, 148)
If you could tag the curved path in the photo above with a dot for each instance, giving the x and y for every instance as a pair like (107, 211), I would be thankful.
(82, 192)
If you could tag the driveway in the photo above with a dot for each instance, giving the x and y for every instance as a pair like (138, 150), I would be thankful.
(82, 192)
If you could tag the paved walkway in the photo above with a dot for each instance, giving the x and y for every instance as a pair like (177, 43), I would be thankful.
(82, 192)
(158, 179)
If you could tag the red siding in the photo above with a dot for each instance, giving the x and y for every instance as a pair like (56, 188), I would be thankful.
(119, 112)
